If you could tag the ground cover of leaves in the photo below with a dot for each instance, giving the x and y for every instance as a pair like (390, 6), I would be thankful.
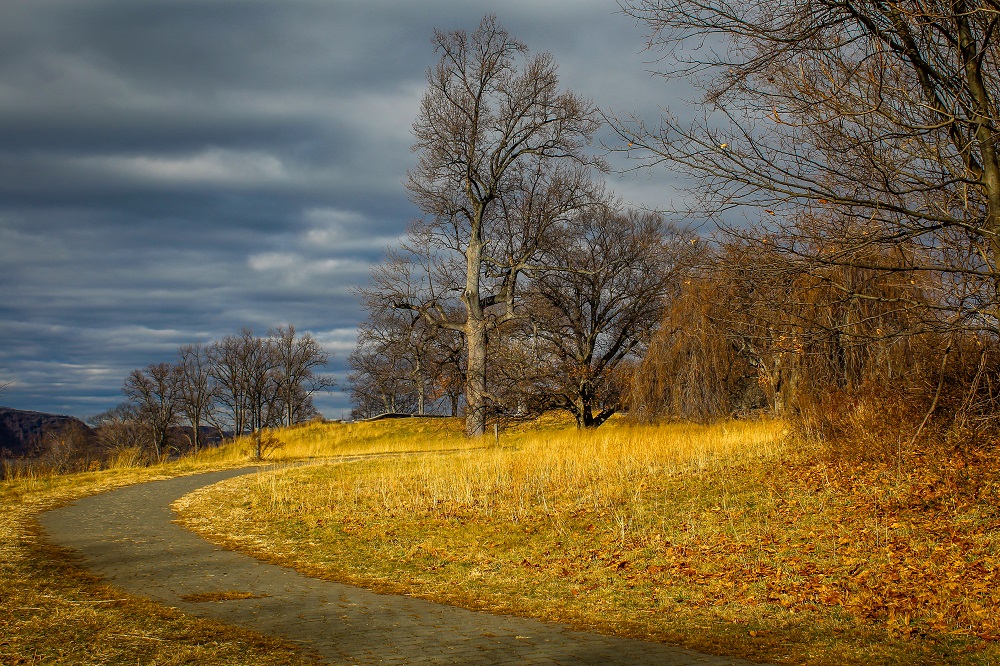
(774, 553)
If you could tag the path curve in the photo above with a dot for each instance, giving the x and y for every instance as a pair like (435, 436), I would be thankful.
(127, 536)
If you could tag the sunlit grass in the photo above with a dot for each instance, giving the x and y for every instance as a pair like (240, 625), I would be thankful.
(597, 469)
(728, 538)
(53, 612)
(324, 440)
(731, 537)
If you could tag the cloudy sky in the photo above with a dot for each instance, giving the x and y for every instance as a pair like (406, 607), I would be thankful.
(174, 170)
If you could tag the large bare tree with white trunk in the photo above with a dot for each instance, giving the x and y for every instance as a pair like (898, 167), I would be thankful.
(500, 161)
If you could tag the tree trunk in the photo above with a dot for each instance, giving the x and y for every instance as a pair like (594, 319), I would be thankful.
(983, 115)
(161, 446)
(475, 327)
(196, 439)
(583, 409)
(419, 375)
(475, 382)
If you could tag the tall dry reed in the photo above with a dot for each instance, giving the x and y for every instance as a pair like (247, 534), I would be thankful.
(555, 474)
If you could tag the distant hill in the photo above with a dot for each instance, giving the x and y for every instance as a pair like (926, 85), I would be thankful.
(182, 436)
(21, 431)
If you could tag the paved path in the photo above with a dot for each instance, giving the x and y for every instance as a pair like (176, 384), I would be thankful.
(127, 536)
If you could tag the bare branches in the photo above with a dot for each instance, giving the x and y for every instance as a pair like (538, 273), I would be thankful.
(404, 364)
(840, 123)
(242, 383)
(154, 390)
(297, 360)
(500, 161)
(595, 308)
(267, 381)
(197, 392)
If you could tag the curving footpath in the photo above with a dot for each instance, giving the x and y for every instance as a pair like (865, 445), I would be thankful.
(127, 537)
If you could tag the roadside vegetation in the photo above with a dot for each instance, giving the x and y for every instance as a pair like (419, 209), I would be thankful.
(53, 612)
(735, 537)
(739, 537)
(844, 157)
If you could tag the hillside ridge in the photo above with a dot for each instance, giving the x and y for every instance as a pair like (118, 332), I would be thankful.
(21, 431)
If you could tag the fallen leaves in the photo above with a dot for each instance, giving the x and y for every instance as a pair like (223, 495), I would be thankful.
(908, 549)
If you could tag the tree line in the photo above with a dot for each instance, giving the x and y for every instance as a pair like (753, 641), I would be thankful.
(859, 288)
(525, 285)
(847, 154)
(238, 385)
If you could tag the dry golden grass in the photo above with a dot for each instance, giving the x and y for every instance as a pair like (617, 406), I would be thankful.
(729, 538)
(319, 440)
(51, 611)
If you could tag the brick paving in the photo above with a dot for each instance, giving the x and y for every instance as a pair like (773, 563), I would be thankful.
(127, 537)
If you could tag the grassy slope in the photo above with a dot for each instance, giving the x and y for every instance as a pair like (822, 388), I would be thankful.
(727, 538)
(53, 612)
(721, 538)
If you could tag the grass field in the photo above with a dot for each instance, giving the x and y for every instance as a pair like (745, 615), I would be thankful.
(52, 612)
(730, 538)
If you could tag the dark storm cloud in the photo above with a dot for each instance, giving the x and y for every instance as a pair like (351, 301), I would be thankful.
(172, 171)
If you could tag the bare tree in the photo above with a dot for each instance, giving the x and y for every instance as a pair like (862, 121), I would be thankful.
(496, 140)
(408, 361)
(243, 366)
(596, 305)
(394, 358)
(120, 428)
(197, 390)
(447, 360)
(229, 373)
(259, 363)
(378, 385)
(154, 392)
(388, 369)
(68, 447)
(296, 361)
(853, 128)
